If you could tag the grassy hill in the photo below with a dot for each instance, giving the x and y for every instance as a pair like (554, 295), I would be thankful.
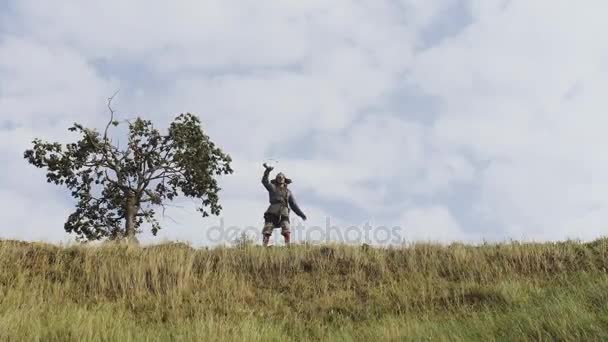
(421, 292)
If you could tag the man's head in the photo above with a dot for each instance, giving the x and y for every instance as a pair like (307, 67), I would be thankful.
(281, 180)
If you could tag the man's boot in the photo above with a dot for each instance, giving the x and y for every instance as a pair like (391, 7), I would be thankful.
(265, 240)
(287, 238)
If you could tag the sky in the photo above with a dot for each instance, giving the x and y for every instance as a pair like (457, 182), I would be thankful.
(411, 120)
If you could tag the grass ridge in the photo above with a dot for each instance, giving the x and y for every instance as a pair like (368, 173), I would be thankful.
(111, 292)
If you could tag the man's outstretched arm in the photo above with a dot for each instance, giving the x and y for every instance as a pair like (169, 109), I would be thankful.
(265, 181)
(294, 206)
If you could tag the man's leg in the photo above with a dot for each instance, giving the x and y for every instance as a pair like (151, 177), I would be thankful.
(266, 233)
(285, 231)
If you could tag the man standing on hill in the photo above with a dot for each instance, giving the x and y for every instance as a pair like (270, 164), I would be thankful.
(281, 200)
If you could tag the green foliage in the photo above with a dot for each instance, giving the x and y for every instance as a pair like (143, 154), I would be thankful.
(118, 189)
(507, 292)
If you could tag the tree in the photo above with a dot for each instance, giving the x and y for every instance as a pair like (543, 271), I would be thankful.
(117, 189)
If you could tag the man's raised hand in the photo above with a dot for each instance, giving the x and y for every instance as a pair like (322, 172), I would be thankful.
(270, 168)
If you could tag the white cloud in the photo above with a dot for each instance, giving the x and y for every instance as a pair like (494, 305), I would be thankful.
(432, 224)
(27, 218)
(507, 87)
(519, 94)
(44, 84)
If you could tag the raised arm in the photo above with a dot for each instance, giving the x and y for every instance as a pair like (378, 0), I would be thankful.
(265, 181)
(294, 206)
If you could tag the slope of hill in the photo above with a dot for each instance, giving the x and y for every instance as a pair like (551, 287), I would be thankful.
(173, 292)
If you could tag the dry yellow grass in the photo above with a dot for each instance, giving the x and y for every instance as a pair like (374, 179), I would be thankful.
(174, 292)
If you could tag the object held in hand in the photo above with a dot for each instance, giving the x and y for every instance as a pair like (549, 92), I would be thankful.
(271, 163)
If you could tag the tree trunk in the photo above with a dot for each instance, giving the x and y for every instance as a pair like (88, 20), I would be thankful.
(131, 212)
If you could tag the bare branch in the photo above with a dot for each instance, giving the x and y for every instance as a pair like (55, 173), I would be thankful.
(105, 134)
